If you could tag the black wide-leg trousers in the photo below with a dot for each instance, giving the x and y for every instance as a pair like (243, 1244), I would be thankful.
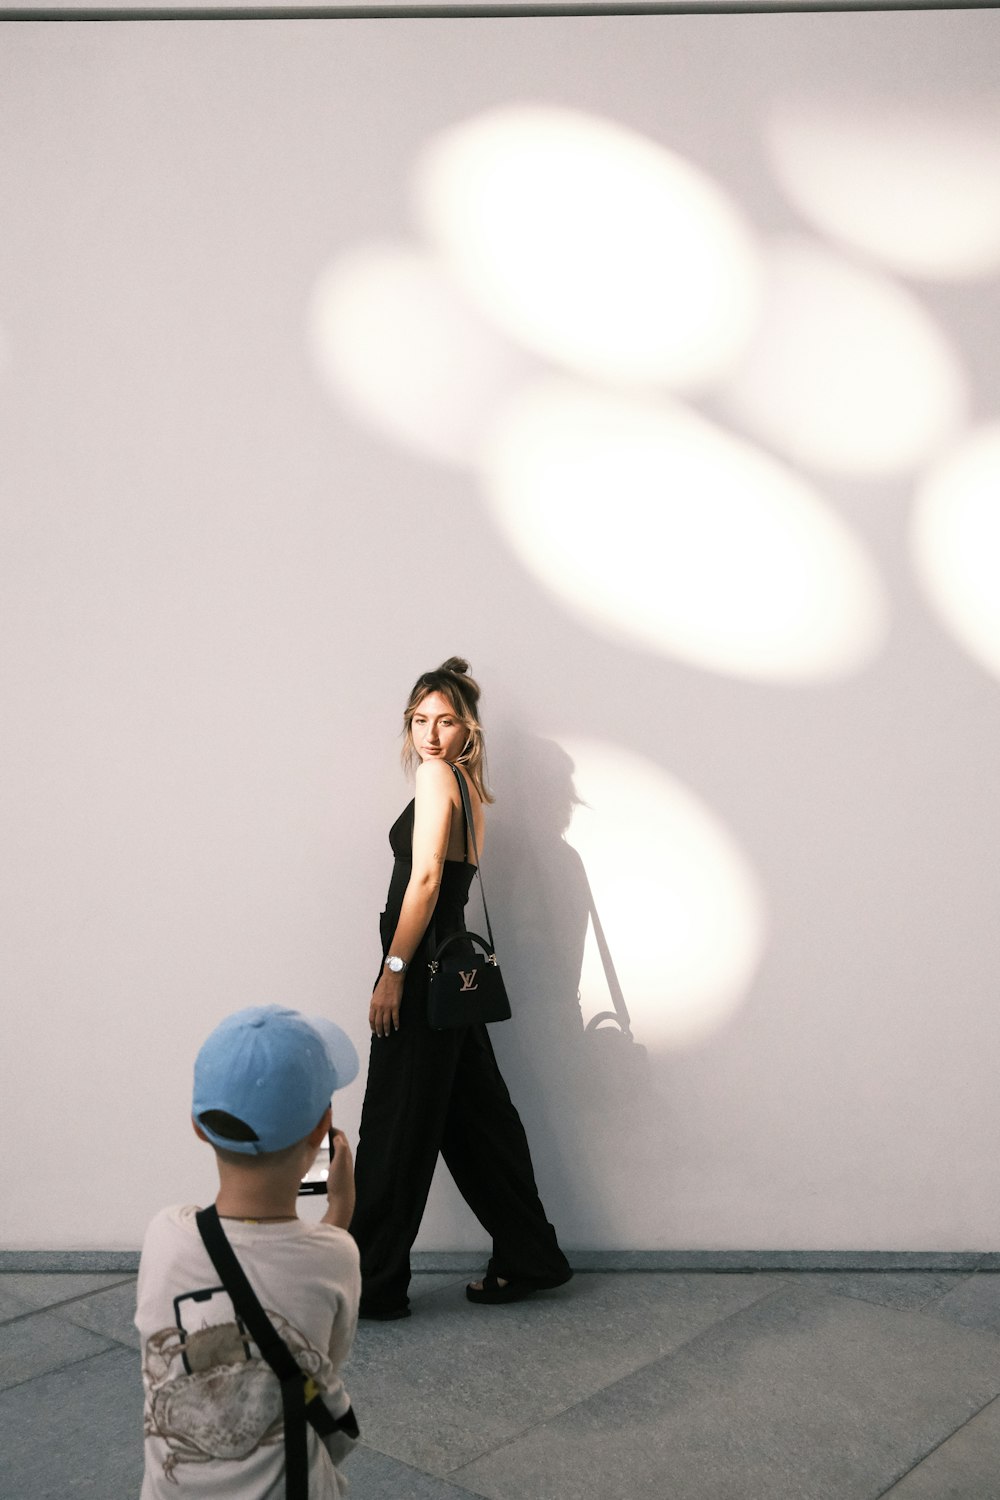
(441, 1091)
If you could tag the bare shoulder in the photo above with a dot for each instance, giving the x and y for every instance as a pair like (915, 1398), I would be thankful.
(436, 778)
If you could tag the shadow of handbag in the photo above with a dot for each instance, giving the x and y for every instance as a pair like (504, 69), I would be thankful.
(620, 1065)
(465, 987)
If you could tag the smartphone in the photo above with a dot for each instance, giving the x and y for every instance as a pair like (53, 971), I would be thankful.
(315, 1179)
(195, 1312)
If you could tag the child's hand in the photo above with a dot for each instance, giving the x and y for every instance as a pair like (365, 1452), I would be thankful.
(340, 1183)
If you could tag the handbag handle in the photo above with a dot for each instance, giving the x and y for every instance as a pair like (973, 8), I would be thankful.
(434, 962)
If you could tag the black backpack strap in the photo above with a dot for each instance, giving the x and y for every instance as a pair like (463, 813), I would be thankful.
(301, 1402)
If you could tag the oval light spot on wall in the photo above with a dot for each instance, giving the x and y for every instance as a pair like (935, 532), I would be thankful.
(592, 245)
(956, 543)
(656, 527)
(395, 341)
(681, 907)
(847, 372)
(916, 187)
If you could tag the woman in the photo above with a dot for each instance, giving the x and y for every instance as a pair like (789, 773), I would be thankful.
(439, 1091)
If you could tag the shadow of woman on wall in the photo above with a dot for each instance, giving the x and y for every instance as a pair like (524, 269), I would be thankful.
(575, 1079)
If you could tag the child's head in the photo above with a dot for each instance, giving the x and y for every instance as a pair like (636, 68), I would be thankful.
(264, 1078)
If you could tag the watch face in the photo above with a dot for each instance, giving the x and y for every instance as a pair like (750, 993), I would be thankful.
(396, 965)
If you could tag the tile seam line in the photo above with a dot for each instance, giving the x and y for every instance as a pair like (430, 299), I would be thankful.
(77, 1296)
(41, 1312)
(887, 1493)
(415, 1469)
(56, 1307)
(112, 1339)
(70, 1364)
(604, 1389)
(922, 1309)
(928, 1309)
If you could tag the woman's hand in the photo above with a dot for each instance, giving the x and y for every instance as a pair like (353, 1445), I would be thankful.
(383, 1013)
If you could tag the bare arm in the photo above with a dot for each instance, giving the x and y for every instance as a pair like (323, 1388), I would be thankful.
(433, 806)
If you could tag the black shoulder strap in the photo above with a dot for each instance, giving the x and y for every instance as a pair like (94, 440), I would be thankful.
(301, 1402)
(470, 820)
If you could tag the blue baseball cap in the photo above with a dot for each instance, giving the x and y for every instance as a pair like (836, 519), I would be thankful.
(273, 1069)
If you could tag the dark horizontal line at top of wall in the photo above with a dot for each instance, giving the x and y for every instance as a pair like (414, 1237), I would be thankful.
(471, 10)
(732, 1262)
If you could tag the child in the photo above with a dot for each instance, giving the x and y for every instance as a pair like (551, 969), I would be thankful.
(213, 1414)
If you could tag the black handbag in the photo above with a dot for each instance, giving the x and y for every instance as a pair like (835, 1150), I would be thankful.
(466, 988)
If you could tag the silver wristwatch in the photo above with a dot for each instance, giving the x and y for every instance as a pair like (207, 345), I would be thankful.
(396, 965)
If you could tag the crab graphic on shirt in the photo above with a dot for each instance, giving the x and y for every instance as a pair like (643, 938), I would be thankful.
(209, 1398)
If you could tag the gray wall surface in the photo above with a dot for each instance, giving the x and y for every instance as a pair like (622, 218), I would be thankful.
(651, 363)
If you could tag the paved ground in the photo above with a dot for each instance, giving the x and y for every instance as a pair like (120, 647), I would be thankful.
(677, 1385)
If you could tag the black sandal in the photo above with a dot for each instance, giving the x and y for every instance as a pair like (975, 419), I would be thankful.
(514, 1289)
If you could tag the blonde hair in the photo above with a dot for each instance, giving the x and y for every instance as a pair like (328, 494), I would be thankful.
(451, 679)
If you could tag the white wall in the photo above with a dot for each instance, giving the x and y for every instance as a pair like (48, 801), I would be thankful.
(223, 565)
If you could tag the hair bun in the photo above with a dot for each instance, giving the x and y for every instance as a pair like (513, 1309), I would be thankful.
(455, 664)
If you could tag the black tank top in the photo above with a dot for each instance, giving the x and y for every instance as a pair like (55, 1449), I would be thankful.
(449, 910)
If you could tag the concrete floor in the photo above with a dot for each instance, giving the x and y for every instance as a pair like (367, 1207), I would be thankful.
(677, 1385)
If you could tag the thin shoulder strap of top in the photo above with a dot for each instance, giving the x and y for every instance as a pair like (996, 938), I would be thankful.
(471, 822)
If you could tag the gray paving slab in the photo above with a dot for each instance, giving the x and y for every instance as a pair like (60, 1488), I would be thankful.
(777, 1260)
(426, 1283)
(905, 1289)
(76, 1432)
(110, 1313)
(459, 1262)
(966, 1467)
(802, 1396)
(42, 1342)
(11, 1305)
(375, 1476)
(75, 1261)
(486, 1373)
(44, 1289)
(974, 1304)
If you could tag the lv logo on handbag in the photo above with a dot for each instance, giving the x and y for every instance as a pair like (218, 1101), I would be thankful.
(468, 980)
